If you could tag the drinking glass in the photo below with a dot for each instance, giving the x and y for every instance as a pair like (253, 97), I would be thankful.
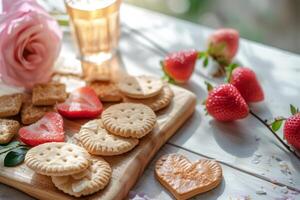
(96, 28)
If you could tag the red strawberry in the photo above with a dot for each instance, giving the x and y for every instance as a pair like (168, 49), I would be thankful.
(244, 79)
(82, 103)
(179, 66)
(292, 130)
(47, 129)
(223, 45)
(225, 103)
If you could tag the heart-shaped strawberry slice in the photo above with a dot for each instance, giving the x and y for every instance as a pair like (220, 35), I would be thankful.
(185, 179)
(47, 129)
(82, 103)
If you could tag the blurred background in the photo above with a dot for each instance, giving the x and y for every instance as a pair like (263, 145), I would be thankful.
(272, 22)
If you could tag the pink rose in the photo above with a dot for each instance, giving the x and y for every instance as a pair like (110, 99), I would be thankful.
(30, 41)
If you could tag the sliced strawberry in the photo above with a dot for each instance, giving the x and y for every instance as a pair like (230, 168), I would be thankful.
(225, 103)
(179, 66)
(82, 103)
(292, 130)
(244, 79)
(47, 129)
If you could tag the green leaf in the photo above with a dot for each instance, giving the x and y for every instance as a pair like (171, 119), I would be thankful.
(229, 69)
(15, 157)
(9, 146)
(63, 22)
(204, 102)
(205, 61)
(209, 86)
(293, 109)
(276, 125)
(168, 79)
(161, 64)
(201, 54)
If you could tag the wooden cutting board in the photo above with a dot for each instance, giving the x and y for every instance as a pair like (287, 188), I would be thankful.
(127, 168)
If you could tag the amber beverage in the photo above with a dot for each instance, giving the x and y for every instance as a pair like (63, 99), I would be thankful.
(95, 26)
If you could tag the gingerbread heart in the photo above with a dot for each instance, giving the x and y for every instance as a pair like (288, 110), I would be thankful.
(185, 179)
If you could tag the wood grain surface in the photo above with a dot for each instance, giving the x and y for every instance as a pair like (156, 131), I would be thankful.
(127, 168)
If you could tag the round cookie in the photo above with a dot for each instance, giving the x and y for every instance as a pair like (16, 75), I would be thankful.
(91, 180)
(129, 119)
(157, 102)
(57, 159)
(96, 140)
(140, 87)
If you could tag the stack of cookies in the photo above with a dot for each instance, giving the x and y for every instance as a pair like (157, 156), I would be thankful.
(31, 107)
(44, 97)
(71, 168)
(147, 90)
(119, 129)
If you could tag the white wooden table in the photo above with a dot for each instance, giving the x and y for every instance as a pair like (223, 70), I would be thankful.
(255, 165)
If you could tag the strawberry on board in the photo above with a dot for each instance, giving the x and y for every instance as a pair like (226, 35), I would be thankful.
(179, 66)
(82, 103)
(47, 129)
(225, 103)
(244, 79)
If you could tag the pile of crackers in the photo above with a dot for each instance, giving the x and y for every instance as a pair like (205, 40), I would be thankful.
(31, 107)
(77, 169)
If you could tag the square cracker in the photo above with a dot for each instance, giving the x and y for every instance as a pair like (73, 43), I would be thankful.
(31, 113)
(48, 94)
(10, 105)
(8, 129)
(106, 91)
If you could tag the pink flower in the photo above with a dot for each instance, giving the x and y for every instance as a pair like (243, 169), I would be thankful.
(30, 41)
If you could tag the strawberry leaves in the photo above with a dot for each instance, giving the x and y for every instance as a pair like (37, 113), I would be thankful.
(229, 69)
(294, 110)
(209, 86)
(16, 153)
(277, 124)
(205, 56)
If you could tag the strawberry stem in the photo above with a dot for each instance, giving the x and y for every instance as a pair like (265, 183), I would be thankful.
(274, 133)
(229, 69)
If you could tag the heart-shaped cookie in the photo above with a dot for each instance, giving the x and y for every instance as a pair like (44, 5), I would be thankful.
(185, 179)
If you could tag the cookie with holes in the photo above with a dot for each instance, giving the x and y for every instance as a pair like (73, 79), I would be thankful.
(98, 141)
(91, 180)
(129, 119)
(140, 87)
(158, 102)
(57, 159)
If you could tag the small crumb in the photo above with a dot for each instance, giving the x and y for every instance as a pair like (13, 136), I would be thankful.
(256, 159)
(261, 191)
(284, 190)
(284, 168)
(257, 138)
